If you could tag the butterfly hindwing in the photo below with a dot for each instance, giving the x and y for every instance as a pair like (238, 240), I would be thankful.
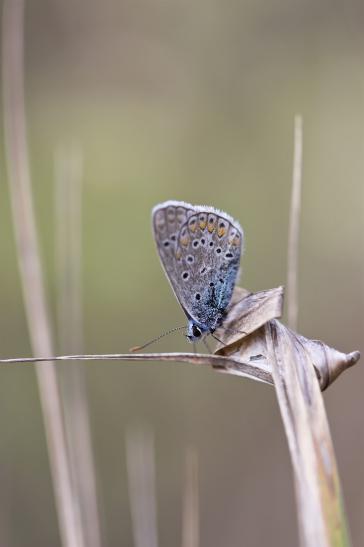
(200, 250)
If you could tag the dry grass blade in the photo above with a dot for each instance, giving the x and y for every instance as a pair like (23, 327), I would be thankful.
(298, 367)
(191, 517)
(319, 501)
(242, 353)
(251, 313)
(221, 364)
(68, 251)
(141, 481)
(31, 271)
(294, 223)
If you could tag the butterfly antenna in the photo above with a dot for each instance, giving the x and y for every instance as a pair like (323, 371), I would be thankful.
(138, 348)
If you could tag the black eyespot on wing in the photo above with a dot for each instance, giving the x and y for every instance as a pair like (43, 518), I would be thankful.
(166, 243)
(203, 270)
(195, 243)
(212, 284)
(202, 241)
(185, 275)
(229, 255)
(190, 259)
(198, 296)
(173, 237)
(218, 250)
(211, 243)
(196, 331)
(221, 280)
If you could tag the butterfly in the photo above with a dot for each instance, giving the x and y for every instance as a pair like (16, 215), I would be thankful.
(200, 249)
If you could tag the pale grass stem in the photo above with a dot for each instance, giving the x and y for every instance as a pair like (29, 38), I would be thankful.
(68, 259)
(140, 466)
(31, 271)
(294, 226)
(191, 515)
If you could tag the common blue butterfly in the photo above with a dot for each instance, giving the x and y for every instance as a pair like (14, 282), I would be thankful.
(200, 249)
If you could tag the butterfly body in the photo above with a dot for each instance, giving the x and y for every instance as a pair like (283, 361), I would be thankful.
(200, 249)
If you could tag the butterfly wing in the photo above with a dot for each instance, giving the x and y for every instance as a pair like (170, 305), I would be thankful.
(200, 251)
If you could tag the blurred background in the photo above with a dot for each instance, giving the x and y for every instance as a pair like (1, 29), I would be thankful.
(192, 101)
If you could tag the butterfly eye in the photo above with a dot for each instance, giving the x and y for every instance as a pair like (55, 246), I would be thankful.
(196, 331)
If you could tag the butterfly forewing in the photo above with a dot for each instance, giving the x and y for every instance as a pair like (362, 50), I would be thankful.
(200, 250)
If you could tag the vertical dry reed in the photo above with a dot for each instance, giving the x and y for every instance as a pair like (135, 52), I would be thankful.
(68, 251)
(31, 270)
(191, 516)
(141, 482)
(294, 226)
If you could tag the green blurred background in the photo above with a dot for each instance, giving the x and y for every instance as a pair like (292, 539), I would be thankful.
(192, 101)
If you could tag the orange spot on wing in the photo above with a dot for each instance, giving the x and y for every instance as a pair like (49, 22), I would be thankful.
(193, 226)
(235, 241)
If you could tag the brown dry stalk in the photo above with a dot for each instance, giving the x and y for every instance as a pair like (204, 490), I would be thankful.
(320, 509)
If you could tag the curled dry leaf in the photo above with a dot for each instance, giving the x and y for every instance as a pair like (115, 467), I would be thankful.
(294, 364)
(244, 338)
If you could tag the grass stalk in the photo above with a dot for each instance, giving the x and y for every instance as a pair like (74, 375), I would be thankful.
(68, 259)
(190, 516)
(31, 271)
(140, 464)
(294, 226)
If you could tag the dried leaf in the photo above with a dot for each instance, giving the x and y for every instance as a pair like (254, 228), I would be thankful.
(321, 515)
(243, 336)
(299, 367)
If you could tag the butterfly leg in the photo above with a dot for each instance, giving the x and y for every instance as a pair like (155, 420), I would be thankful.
(206, 345)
